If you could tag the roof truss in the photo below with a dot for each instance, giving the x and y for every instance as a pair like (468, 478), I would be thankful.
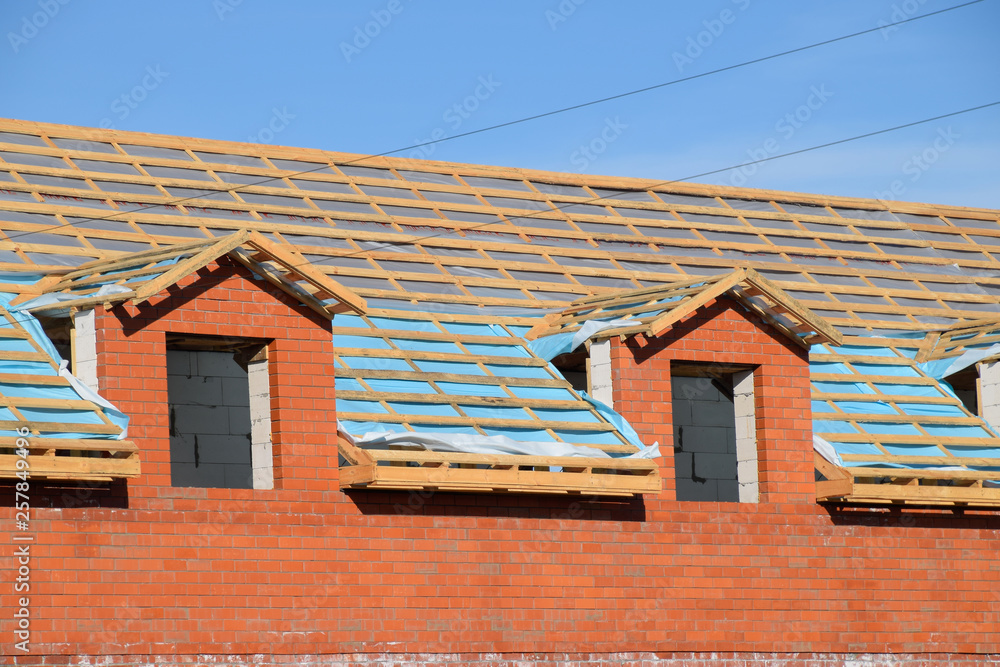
(141, 276)
(657, 309)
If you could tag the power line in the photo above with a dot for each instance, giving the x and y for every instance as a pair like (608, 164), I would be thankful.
(723, 169)
(533, 117)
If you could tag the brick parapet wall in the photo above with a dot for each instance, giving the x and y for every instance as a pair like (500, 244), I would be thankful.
(229, 577)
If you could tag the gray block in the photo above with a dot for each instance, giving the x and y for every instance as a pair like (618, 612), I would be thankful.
(235, 391)
(206, 475)
(682, 465)
(239, 477)
(715, 413)
(715, 466)
(239, 420)
(182, 448)
(178, 362)
(195, 390)
(219, 364)
(709, 439)
(224, 449)
(728, 491)
(200, 419)
(697, 491)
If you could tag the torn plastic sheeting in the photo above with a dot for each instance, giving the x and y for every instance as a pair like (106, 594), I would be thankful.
(479, 444)
(550, 347)
(624, 428)
(51, 299)
(827, 451)
(117, 417)
(942, 368)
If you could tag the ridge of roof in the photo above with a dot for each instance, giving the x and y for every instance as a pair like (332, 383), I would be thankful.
(545, 176)
(656, 309)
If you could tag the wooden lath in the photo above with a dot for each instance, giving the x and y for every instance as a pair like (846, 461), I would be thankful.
(903, 486)
(399, 469)
(957, 339)
(852, 242)
(657, 309)
(485, 368)
(58, 449)
(143, 277)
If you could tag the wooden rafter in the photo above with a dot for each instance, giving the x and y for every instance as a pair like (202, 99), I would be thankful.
(657, 309)
(143, 277)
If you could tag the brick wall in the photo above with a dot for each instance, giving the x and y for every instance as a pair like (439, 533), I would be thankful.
(723, 333)
(161, 575)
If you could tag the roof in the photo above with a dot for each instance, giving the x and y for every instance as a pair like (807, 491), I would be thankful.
(653, 310)
(441, 243)
(71, 432)
(139, 276)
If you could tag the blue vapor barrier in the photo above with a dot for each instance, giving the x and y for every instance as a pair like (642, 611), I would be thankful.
(942, 368)
(550, 347)
(504, 428)
(76, 391)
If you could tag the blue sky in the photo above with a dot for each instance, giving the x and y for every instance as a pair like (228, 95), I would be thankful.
(305, 73)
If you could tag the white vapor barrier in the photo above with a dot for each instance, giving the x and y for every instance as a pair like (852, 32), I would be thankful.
(480, 444)
(942, 368)
(550, 347)
(49, 299)
(827, 451)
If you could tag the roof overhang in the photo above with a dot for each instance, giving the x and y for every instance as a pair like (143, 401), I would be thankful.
(138, 277)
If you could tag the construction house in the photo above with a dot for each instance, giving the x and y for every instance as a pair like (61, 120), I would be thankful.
(274, 405)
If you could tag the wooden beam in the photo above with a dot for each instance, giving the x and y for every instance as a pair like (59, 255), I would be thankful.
(716, 290)
(188, 266)
(307, 272)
